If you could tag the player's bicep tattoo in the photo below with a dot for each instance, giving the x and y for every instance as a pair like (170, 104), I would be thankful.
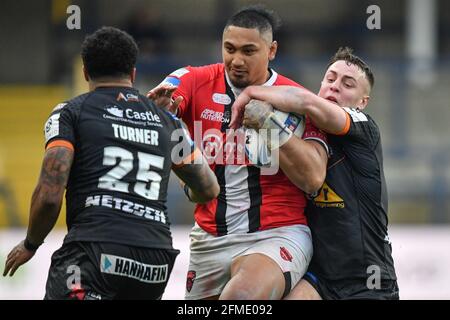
(56, 168)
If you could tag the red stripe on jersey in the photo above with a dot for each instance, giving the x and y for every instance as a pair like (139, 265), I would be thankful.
(312, 132)
(205, 216)
(283, 204)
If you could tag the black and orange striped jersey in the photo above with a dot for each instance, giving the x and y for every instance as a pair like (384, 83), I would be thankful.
(118, 182)
(348, 218)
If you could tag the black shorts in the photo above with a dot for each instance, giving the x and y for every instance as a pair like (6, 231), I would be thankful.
(98, 270)
(349, 289)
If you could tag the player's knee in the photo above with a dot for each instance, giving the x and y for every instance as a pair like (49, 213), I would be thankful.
(245, 287)
(239, 290)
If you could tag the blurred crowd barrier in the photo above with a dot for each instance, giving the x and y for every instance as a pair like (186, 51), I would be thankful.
(421, 258)
(23, 113)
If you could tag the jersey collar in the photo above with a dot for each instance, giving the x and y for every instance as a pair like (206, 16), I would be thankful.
(269, 82)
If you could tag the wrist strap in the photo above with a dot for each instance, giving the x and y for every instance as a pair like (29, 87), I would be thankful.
(29, 246)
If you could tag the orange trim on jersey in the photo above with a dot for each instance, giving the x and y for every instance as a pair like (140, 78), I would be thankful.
(60, 143)
(189, 159)
(346, 127)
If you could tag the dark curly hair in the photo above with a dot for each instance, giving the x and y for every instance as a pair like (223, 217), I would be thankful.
(109, 52)
(346, 54)
(255, 17)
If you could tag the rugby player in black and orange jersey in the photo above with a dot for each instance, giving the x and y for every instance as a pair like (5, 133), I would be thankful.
(348, 218)
(111, 148)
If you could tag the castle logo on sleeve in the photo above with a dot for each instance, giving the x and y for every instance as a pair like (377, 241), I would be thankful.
(51, 128)
(59, 106)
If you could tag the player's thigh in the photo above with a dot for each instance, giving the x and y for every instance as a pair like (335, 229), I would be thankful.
(290, 248)
(272, 264)
(266, 281)
(303, 291)
(209, 264)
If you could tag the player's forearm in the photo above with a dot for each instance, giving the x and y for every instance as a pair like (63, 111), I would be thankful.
(284, 98)
(201, 197)
(47, 197)
(207, 187)
(200, 180)
(325, 115)
(44, 212)
(304, 163)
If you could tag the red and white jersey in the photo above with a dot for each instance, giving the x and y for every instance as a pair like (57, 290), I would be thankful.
(248, 201)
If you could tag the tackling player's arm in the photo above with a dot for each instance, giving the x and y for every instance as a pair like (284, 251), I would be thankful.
(303, 161)
(45, 204)
(201, 182)
(325, 115)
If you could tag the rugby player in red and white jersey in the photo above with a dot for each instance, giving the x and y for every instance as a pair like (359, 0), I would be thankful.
(252, 242)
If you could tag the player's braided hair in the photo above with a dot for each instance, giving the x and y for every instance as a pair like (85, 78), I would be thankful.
(109, 52)
(346, 54)
(255, 17)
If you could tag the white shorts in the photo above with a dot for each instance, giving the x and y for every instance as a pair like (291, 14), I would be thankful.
(211, 257)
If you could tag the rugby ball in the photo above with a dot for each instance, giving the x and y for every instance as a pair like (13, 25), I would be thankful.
(256, 146)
